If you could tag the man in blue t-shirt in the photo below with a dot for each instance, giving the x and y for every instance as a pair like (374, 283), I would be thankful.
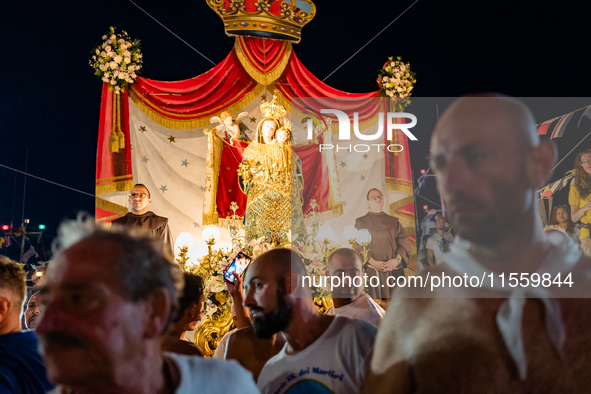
(21, 368)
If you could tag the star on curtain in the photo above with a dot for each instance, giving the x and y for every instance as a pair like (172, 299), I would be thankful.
(145, 159)
(201, 188)
(253, 119)
(142, 128)
(365, 156)
(343, 164)
(362, 177)
(171, 139)
(185, 163)
(163, 188)
(195, 224)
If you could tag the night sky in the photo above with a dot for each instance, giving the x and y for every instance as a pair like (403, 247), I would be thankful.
(50, 99)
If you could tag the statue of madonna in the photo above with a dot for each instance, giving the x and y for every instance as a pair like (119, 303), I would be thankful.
(271, 177)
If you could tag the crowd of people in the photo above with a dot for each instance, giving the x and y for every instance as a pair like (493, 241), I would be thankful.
(114, 308)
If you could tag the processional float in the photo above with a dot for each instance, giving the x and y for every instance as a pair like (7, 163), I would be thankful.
(185, 141)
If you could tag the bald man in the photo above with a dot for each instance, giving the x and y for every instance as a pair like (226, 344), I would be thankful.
(242, 344)
(322, 353)
(141, 216)
(350, 300)
(489, 164)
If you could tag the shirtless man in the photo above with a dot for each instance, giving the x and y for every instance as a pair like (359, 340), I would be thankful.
(243, 345)
(489, 162)
(251, 351)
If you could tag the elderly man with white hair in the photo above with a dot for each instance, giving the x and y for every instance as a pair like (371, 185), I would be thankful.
(107, 299)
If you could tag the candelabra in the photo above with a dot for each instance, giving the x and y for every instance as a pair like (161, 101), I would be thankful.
(350, 234)
(313, 215)
(214, 326)
(183, 243)
(234, 226)
(363, 239)
(325, 236)
(182, 259)
(210, 235)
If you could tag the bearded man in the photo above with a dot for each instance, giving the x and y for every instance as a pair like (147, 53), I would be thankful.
(321, 351)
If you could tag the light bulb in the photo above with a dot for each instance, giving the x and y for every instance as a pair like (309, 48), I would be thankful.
(325, 233)
(364, 237)
(211, 232)
(184, 239)
(350, 232)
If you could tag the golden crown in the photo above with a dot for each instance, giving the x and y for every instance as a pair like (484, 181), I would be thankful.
(273, 109)
(275, 19)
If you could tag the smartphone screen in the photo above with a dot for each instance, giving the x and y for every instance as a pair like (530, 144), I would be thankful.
(239, 265)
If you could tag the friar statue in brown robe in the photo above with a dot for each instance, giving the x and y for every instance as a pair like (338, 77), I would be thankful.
(389, 248)
(139, 200)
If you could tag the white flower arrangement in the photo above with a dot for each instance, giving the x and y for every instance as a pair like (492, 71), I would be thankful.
(396, 79)
(217, 296)
(117, 61)
(313, 259)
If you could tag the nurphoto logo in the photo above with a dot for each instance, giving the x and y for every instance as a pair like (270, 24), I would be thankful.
(345, 130)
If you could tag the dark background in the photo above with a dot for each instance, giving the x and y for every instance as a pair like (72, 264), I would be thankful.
(50, 99)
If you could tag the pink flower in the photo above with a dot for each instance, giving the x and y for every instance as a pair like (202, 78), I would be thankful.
(317, 264)
(234, 252)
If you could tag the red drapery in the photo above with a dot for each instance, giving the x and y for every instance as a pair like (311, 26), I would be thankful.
(314, 169)
(315, 173)
(263, 55)
(113, 169)
(297, 81)
(228, 188)
(200, 97)
(229, 86)
(398, 171)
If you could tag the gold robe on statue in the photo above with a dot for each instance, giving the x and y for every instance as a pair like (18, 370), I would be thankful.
(273, 206)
